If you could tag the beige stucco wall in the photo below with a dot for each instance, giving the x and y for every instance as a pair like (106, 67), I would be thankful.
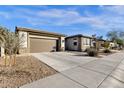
(1, 51)
(62, 45)
(26, 45)
(112, 44)
(24, 39)
(70, 43)
(84, 46)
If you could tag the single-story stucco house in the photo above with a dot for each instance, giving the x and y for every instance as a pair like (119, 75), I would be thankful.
(78, 42)
(81, 42)
(40, 41)
(100, 43)
(113, 45)
(35, 41)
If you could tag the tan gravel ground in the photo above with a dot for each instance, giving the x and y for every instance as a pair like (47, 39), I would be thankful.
(26, 70)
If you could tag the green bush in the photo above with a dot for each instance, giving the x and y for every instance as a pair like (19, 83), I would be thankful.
(106, 45)
(92, 52)
(106, 51)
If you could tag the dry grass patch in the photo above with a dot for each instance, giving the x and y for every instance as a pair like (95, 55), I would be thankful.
(26, 70)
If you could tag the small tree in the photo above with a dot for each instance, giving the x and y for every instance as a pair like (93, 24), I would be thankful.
(112, 35)
(120, 42)
(116, 36)
(11, 42)
(17, 44)
(99, 37)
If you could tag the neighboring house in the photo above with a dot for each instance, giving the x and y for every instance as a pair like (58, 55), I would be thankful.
(113, 45)
(100, 43)
(79, 42)
(40, 41)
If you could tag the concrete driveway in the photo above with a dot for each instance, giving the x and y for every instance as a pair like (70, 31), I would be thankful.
(82, 71)
(61, 61)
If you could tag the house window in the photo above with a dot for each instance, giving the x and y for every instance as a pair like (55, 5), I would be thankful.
(75, 39)
(75, 43)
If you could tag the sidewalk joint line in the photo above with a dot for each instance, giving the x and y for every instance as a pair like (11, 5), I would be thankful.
(94, 70)
(117, 79)
(73, 80)
(111, 72)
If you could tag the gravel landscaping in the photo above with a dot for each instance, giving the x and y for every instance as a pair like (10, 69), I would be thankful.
(26, 70)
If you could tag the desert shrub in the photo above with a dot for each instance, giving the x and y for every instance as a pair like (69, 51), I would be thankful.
(92, 52)
(106, 45)
(106, 51)
(87, 49)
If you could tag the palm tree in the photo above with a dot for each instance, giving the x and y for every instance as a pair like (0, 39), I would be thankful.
(3, 34)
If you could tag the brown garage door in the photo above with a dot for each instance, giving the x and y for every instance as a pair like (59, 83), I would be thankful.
(42, 45)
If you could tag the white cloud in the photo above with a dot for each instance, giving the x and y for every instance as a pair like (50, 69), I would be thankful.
(109, 18)
(118, 9)
(59, 17)
(5, 14)
(58, 13)
(66, 17)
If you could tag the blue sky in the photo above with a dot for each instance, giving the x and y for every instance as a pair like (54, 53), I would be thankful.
(70, 20)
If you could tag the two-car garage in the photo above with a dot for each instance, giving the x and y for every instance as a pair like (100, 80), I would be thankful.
(41, 41)
(42, 45)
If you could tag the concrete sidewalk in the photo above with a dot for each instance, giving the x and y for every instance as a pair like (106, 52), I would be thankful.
(100, 72)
